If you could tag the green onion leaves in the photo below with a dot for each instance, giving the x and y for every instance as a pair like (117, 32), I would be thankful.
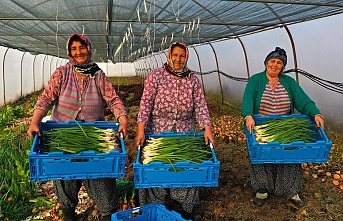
(285, 131)
(170, 150)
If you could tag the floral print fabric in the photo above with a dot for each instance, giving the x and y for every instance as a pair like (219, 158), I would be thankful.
(172, 104)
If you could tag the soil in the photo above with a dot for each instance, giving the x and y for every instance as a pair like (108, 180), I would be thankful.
(232, 199)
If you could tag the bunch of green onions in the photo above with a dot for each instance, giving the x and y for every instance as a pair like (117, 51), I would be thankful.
(80, 138)
(170, 150)
(285, 131)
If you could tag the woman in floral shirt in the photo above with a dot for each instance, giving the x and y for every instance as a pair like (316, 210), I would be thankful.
(173, 100)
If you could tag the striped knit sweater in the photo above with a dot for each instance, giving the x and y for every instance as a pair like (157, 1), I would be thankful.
(74, 98)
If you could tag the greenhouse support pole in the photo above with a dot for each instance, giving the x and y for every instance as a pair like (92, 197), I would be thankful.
(33, 74)
(294, 52)
(245, 56)
(220, 82)
(50, 66)
(202, 79)
(21, 75)
(43, 71)
(3, 76)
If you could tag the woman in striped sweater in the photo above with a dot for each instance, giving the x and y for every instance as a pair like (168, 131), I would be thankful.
(271, 92)
(80, 90)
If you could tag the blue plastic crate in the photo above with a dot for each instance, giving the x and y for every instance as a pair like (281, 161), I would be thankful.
(178, 175)
(84, 165)
(295, 152)
(149, 212)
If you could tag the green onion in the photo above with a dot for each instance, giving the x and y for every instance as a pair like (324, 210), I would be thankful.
(170, 150)
(285, 130)
(82, 138)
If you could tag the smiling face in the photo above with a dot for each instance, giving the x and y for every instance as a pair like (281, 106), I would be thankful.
(178, 56)
(79, 52)
(274, 66)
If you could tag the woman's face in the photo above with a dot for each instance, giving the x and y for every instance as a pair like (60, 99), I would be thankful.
(79, 52)
(178, 57)
(274, 67)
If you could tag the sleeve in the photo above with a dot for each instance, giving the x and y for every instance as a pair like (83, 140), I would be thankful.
(148, 97)
(302, 102)
(249, 97)
(200, 105)
(110, 96)
(51, 92)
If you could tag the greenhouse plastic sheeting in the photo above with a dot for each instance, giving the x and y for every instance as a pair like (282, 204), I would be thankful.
(124, 30)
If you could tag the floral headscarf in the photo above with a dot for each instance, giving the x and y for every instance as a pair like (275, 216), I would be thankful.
(89, 68)
(169, 65)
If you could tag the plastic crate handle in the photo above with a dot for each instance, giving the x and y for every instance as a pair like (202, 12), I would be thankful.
(213, 153)
(138, 153)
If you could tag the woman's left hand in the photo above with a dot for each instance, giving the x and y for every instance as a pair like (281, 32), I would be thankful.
(123, 125)
(208, 135)
(319, 119)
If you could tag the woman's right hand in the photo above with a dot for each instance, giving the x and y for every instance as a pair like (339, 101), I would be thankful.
(249, 123)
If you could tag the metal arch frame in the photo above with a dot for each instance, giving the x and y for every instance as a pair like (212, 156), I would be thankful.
(245, 56)
(21, 74)
(220, 82)
(52, 58)
(200, 69)
(43, 70)
(3, 76)
(33, 73)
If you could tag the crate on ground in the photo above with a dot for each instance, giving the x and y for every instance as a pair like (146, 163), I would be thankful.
(294, 152)
(84, 165)
(178, 175)
(149, 212)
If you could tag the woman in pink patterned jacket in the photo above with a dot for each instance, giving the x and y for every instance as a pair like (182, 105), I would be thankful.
(173, 100)
(80, 90)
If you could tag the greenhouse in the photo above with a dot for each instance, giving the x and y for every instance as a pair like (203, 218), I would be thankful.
(228, 42)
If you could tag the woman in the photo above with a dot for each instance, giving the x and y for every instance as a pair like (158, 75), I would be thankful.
(173, 100)
(271, 92)
(80, 90)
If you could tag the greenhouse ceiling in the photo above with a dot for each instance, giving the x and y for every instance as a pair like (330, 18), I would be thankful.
(124, 30)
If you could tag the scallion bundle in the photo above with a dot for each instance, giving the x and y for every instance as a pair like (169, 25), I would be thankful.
(80, 138)
(285, 131)
(170, 150)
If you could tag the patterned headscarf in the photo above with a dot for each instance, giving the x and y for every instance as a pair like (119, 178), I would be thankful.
(169, 65)
(277, 53)
(89, 68)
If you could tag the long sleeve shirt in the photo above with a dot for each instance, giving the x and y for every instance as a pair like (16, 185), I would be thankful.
(172, 104)
(79, 98)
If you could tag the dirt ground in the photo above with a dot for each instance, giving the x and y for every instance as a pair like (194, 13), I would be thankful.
(232, 199)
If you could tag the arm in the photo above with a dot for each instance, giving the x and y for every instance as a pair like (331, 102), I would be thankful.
(146, 105)
(248, 103)
(202, 112)
(113, 102)
(140, 138)
(45, 102)
(304, 104)
(38, 115)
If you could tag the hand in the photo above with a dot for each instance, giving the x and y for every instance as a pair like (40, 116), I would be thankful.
(123, 125)
(140, 138)
(249, 123)
(33, 129)
(208, 135)
(319, 119)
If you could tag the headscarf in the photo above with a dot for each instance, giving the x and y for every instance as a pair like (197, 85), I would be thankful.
(279, 53)
(169, 65)
(89, 68)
